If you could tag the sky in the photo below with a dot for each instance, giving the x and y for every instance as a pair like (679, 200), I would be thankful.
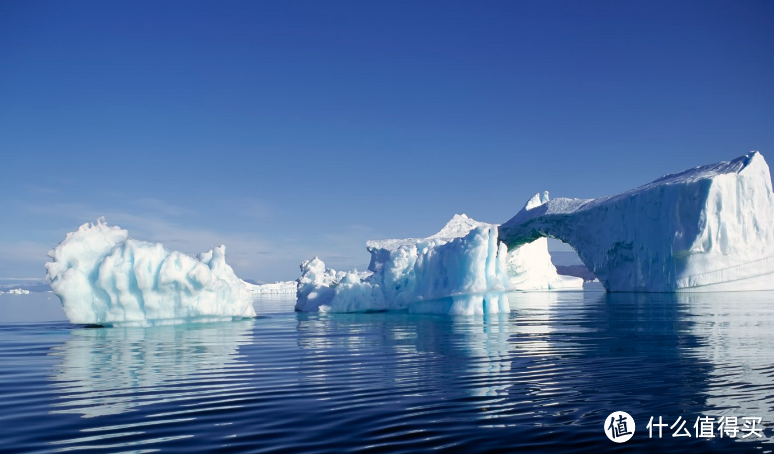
(290, 129)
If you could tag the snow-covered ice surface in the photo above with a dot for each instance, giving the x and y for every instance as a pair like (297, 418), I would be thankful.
(710, 228)
(275, 288)
(103, 277)
(464, 258)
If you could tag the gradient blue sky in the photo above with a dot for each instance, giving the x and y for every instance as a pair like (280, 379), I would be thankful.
(292, 129)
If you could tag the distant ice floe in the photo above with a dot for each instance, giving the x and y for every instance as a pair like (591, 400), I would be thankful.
(15, 291)
(275, 288)
(710, 228)
(103, 277)
(464, 258)
(29, 285)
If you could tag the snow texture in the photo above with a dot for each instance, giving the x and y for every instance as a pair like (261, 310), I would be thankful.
(710, 228)
(103, 277)
(464, 258)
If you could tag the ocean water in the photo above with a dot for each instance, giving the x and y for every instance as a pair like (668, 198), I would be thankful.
(543, 378)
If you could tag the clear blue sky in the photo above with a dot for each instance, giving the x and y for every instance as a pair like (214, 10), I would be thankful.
(292, 129)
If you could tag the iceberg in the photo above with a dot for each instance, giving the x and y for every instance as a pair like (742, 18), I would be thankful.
(103, 277)
(710, 228)
(464, 258)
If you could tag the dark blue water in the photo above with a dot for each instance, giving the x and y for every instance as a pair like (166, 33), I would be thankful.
(542, 378)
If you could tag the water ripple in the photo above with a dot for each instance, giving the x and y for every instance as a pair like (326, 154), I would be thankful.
(543, 377)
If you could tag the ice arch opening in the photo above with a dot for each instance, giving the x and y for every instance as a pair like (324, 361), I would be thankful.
(530, 265)
(531, 225)
(706, 229)
(567, 261)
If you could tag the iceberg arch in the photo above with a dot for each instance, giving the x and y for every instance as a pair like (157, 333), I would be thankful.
(529, 265)
(710, 228)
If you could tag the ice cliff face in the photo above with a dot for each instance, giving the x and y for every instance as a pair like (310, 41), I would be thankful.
(104, 277)
(465, 257)
(706, 229)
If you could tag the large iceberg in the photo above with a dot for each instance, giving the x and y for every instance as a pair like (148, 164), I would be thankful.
(706, 229)
(464, 258)
(103, 277)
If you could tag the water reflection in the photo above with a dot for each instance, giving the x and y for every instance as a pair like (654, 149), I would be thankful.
(437, 366)
(114, 370)
(542, 377)
(559, 361)
(672, 355)
(475, 304)
(737, 332)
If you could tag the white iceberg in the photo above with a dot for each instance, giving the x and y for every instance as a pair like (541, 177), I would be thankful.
(464, 258)
(710, 228)
(103, 277)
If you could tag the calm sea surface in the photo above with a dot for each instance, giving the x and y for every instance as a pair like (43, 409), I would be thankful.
(542, 378)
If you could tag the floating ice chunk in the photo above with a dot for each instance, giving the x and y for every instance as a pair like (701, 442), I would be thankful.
(316, 286)
(104, 277)
(16, 291)
(465, 257)
(706, 229)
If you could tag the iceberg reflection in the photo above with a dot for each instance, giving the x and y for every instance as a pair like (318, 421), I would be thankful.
(737, 332)
(356, 354)
(112, 371)
(471, 304)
